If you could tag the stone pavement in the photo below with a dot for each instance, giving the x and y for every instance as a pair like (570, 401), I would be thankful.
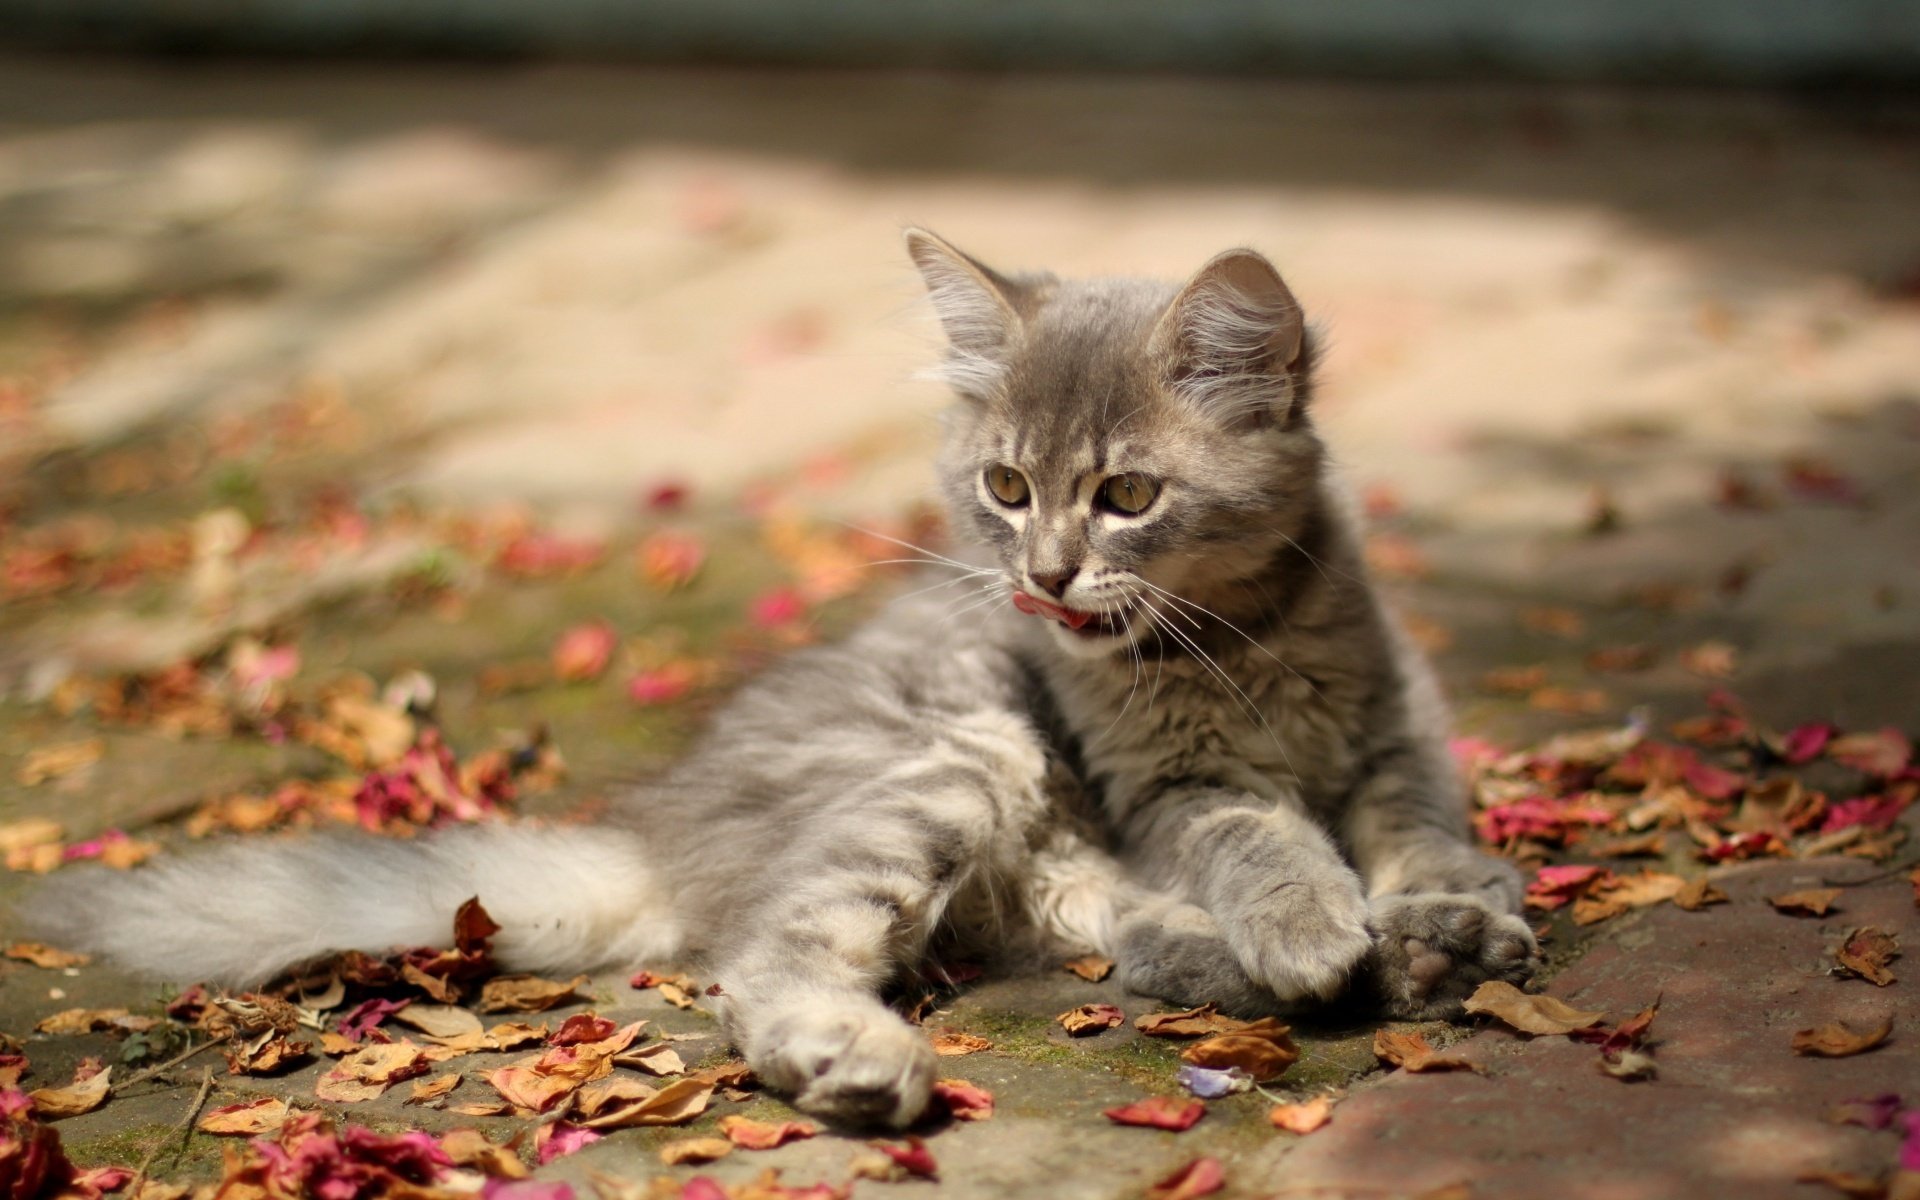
(1612, 368)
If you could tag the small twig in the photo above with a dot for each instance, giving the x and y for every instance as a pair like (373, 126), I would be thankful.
(173, 1062)
(184, 1128)
(1876, 877)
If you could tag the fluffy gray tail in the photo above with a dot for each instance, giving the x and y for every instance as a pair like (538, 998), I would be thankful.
(566, 899)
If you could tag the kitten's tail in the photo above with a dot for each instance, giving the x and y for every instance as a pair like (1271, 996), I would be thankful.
(566, 899)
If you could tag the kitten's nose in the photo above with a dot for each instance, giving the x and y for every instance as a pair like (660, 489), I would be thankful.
(1054, 582)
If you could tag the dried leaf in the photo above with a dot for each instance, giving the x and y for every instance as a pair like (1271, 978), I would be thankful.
(1090, 1019)
(43, 955)
(951, 1043)
(1543, 1015)
(470, 1148)
(1837, 1039)
(914, 1157)
(1698, 894)
(1304, 1117)
(369, 1071)
(1711, 660)
(1865, 955)
(1262, 1049)
(426, 1091)
(659, 1060)
(438, 1020)
(582, 653)
(677, 1103)
(80, 1020)
(1621, 893)
(62, 758)
(1412, 1052)
(527, 993)
(962, 1100)
(1201, 1177)
(83, 1095)
(749, 1134)
(1158, 1112)
(1192, 1022)
(556, 1139)
(695, 1150)
(1092, 967)
(250, 1119)
(1814, 902)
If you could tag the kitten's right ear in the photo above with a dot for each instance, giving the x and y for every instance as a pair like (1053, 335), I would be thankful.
(975, 304)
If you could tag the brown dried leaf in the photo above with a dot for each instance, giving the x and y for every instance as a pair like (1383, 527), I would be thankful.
(675, 995)
(83, 1095)
(1866, 953)
(1814, 902)
(369, 1071)
(1192, 1022)
(1837, 1039)
(659, 1059)
(1412, 1052)
(527, 993)
(439, 1021)
(1543, 1015)
(1711, 660)
(1698, 894)
(250, 1119)
(80, 1020)
(695, 1150)
(1614, 896)
(951, 1043)
(1092, 967)
(1304, 1117)
(749, 1134)
(1090, 1019)
(677, 1103)
(1262, 1049)
(264, 1053)
(42, 955)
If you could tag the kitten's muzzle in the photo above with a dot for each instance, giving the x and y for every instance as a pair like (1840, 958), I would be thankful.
(1086, 624)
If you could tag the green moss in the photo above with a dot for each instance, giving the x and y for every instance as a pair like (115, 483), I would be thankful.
(194, 1155)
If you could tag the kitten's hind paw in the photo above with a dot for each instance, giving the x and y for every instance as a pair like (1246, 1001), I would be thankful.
(1434, 949)
(853, 1066)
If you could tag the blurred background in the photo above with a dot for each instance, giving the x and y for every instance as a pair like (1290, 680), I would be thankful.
(410, 337)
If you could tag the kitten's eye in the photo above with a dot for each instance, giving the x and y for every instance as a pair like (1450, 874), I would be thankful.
(1129, 494)
(1007, 485)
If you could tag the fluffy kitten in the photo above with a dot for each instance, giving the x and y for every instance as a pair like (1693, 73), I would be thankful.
(1178, 730)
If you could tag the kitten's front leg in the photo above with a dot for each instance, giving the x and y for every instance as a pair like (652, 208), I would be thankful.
(1447, 914)
(1292, 911)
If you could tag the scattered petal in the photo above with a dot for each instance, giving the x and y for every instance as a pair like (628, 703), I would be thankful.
(1209, 1084)
(1814, 902)
(1093, 968)
(556, 1139)
(695, 1150)
(1870, 1112)
(1412, 1052)
(582, 653)
(749, 1134)
(1158, 1112)
(1201, 1177)
(914, 1157)
(1304, 1117)
(368, 1072)
(1090, 1019)
(962, 1100)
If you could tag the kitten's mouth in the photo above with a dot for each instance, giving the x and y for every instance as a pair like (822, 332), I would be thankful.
(1088, 625)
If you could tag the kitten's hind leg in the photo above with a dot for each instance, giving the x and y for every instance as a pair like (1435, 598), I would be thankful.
(844, 913)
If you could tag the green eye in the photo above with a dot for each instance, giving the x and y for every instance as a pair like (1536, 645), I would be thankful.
(1129, 494)
(1007, 485)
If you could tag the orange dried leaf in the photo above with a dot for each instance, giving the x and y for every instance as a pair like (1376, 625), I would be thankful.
(1698, 894)
(962, 1100)
(1262, 1049)
(1201, 1177)
(677, 1103)
(42, 955)
(1813, 902)
(62, 758)
(1304, 1117)
(1158, 1112)
(1412, 1052)
(250, 1119)
(1192, 1022)
(749, 1134)
(527, 993)
(951, 1043)
(83, 1095)
(1866, 953)
(370, 1071)
(1837, 1039)
(695, 1150)
(1092, 967)
(426, 1091)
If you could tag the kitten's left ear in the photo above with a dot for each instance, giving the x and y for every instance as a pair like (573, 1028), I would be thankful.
(975, 303)
(1233, 339)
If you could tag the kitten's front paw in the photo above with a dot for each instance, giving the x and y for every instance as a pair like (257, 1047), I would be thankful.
(1303, 940)
(851, 1066)
(1178, 955)
(1435, 949)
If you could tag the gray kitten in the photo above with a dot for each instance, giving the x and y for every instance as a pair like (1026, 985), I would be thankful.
(1176, 727)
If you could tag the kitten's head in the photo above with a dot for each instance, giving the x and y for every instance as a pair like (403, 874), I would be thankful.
(1129, 448)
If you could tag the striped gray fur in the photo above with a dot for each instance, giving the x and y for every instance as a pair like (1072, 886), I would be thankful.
(1233, 777)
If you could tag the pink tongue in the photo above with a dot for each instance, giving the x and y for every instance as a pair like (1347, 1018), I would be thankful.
(1034, 606)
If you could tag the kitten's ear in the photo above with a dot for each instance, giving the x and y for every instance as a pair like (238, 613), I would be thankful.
(1234, 338)
(974, 303)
